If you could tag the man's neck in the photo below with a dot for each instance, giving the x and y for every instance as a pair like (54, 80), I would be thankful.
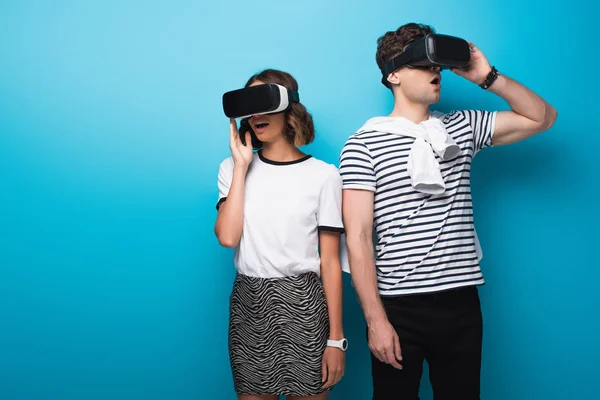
(412, 111)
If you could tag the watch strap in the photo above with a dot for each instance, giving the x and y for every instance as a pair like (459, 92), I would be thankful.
(340, 344)
(489, 79)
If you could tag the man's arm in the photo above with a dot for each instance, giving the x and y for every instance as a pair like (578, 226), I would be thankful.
(357, 208)
(358, 222)
(529, 115)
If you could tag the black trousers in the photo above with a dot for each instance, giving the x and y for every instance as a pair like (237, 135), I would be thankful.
(444, 328)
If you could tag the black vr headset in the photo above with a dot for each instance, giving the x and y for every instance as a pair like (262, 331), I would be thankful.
(433, 50)
(268, 98)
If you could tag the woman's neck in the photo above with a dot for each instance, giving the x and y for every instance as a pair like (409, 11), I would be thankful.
(281, 151)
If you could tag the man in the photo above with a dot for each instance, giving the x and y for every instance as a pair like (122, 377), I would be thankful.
(408, 176)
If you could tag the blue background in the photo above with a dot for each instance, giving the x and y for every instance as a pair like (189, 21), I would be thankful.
(112, 284)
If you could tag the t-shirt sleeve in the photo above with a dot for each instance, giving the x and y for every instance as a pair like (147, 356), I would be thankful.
(482, 124)
(329, 214)
(224, 180)
(356, 166)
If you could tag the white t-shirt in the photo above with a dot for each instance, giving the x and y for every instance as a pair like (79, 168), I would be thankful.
(285, 206)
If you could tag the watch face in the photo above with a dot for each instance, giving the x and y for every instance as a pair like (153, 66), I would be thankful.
(344, 344)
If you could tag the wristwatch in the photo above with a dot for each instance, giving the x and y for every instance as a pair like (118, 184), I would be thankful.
(489, 79)
(340, 344)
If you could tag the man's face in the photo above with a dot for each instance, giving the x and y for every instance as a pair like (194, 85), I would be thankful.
(418, 85)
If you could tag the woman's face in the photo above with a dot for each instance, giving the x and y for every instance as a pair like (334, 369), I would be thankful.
(267, 127)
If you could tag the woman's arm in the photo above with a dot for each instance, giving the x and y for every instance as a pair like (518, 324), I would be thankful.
(331, 275)
(230, 220)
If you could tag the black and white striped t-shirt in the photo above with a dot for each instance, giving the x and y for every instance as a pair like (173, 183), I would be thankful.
(424, 243)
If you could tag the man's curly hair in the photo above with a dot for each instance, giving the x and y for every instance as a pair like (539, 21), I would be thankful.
(392, 43)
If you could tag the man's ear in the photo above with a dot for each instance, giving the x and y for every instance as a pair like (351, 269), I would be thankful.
(393, 78)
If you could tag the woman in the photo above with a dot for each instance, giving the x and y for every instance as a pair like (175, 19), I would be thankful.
(281, 210)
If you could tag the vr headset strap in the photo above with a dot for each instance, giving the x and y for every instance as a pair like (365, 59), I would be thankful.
(398, 62)
(293, 96)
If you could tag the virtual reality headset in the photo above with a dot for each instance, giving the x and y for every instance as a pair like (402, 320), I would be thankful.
(433, 50)
(268, 98)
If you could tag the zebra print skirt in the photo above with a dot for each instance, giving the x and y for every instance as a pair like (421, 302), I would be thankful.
(278, 330)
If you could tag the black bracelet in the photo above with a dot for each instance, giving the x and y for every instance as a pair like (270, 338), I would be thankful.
(491, 78)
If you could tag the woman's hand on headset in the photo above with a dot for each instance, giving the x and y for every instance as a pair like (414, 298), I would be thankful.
(242, 154)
